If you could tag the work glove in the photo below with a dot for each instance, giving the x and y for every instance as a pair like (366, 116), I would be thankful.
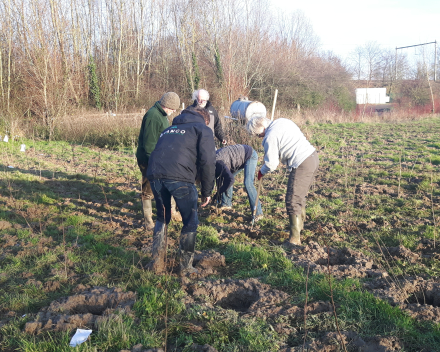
(260, 175)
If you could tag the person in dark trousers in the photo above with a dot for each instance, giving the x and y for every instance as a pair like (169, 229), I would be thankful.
(201, 99)
(153, 123)
(282, 139)
(230, 161)
(184, 150)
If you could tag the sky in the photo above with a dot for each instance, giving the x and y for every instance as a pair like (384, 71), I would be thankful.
(343, 25)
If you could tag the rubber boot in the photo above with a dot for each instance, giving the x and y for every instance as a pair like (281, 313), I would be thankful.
(187, 246)
(147, 207)
(157, 264)
(303, 214)
(295, 228)
(175, 215)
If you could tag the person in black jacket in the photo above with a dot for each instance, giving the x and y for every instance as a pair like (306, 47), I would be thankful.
(201, 99)
(183, 150)
(230, 161)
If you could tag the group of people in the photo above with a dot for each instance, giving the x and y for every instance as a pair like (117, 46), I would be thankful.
(174, 158)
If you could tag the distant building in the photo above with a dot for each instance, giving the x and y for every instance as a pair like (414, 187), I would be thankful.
(371, 96)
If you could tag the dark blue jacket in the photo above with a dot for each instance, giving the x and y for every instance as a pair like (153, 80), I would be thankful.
(183, 149)
(229, 160)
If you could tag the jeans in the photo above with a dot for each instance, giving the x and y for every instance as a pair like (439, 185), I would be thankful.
(249, 175)
(186, 196)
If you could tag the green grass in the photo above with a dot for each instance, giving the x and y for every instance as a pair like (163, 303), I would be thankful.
(80, 222)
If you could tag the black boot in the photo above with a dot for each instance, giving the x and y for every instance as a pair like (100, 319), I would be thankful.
(187, 246)
(296, 225)
(157, 264)
(147, 207)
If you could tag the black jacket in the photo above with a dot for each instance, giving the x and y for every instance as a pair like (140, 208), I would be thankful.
(183, 149)
(218, 130)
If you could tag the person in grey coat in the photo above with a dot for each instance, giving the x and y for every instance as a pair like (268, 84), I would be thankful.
(283, 141)
(229, 162)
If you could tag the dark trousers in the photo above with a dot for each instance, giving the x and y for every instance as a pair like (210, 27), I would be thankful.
(146, 192)
(299, 183)
(186, 196)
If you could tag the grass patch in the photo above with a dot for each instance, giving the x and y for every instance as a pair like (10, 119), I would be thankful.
(71, 214)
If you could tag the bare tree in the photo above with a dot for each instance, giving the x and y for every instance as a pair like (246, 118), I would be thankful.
(142, 48)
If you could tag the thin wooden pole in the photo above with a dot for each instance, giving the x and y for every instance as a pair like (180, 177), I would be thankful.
(274, 103)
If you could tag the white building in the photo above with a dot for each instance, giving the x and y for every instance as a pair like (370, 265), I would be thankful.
(371, 96)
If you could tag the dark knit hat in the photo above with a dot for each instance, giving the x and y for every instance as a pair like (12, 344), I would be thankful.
(170, 100)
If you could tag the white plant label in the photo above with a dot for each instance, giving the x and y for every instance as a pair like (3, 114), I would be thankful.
(79, 337)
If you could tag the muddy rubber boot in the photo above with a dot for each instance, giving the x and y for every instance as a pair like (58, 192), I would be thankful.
(187, 246)
(158, 252)
(147, 207)
(295, 228)
(175, 215)
(303, 214)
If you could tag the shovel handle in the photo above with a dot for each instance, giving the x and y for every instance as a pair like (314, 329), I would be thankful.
(260, 181)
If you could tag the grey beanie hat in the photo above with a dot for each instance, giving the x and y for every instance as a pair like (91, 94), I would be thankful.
(170, 100)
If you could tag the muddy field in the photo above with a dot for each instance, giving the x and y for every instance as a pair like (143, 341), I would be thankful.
(366, 277)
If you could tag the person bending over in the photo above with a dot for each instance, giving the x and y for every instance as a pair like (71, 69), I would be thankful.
(283, 141)
(229, 162)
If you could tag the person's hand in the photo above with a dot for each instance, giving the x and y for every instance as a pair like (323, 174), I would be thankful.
(224, 142)
(260, 175)
(205, 201)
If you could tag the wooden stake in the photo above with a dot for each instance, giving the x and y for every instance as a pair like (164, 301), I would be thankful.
(274, 103)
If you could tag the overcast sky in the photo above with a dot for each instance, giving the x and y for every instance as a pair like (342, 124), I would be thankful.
(342, 25)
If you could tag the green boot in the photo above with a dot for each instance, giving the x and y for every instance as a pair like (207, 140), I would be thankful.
(147, 207)
(157, 264)
(296, 225)
(187, 246)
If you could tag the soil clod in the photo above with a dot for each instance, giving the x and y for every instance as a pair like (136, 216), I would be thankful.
(342, 263)
(81, 310)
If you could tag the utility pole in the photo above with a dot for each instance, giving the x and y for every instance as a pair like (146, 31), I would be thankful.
(435, 59)
(435, 62)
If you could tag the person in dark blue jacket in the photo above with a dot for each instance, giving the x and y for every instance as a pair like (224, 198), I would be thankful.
(183, 150)
(229, 162)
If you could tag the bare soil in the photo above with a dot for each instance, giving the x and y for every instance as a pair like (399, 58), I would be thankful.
(344, 262)
(82, 310)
